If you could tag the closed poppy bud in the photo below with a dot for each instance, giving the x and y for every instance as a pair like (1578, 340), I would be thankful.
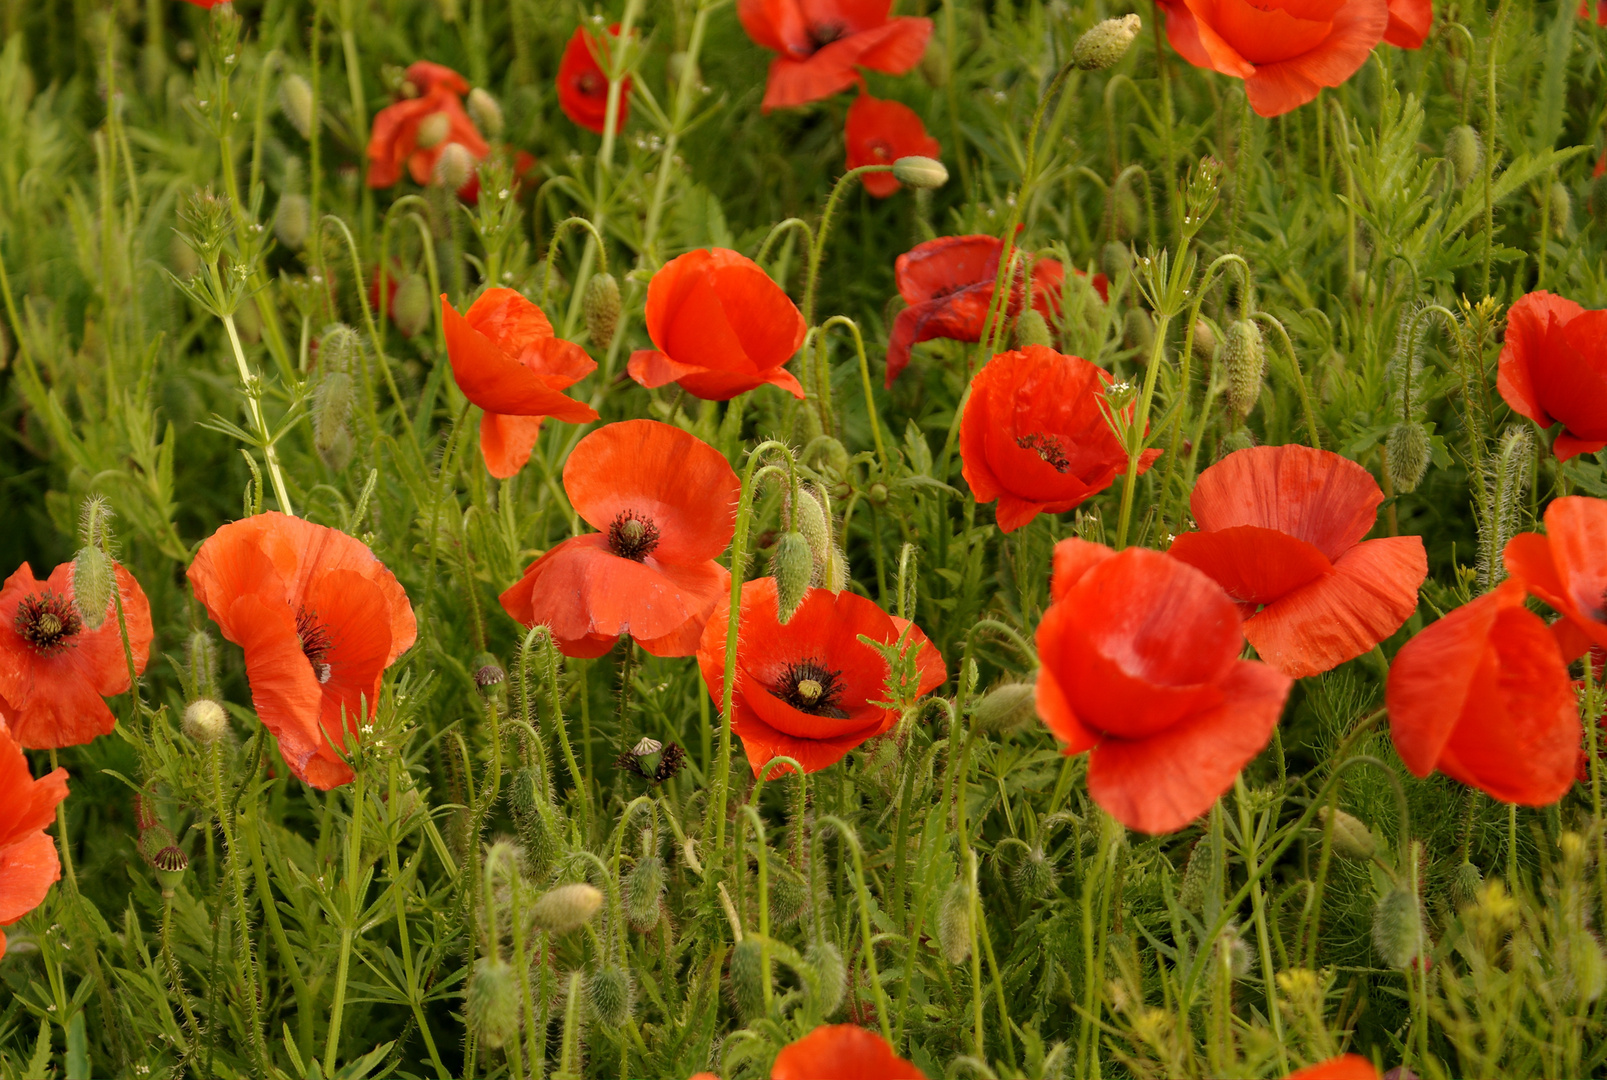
(1006, 708)
(153, 839)
(1234, 441)
(493, 1001)
(332, 408)
(295, 101)
(291, 220)
(1465, 151)
(642, 888)
(746, 978)
(1106, 43)
(1352, 838)
(565, 908)
(601, 307)
(1138, 332)
(1032, 329)
(920, 172)
(789, 897)
(1562, 209)
(810, 520)
(1034, 875)
(1204, 346)
(1244, 358)
(954, 923)
(608, 991)
(453, 168)
(793, 567)
(201, 656)
(1115, 260)
(1398, 927)
(877, 494)
(1465, 885)
(827, 960)
(485, 111)
(93, 573)
(205, 721)
(339, 348)
(1129, 210)
(170, 864)
(1407, 452)
(433, 130)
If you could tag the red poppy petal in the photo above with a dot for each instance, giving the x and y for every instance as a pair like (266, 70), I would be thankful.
(768, 324)
(284, 689)
(861, 721)
(1409, 23)
(1073, 557)
(1528, 559)
(896, 46)
(693, 324)
(26, 805)
(842, 1052)
(1524, 349)
(496, 381)
(653, 369)
(1189, 28)
(508, 319)
(1576, 529)
(1343, 1067)
(1567, 446)
(1255, 565)
(1571, 377)
(1315, 495)
(826, 627)
(777, 25)
(1049, 698)
(1358, 27)
(28, 869)
(507, 441)
(1268, 35)
(352, 610)
(943, 266)
(428, 75)
(798, 82)
(723, 386)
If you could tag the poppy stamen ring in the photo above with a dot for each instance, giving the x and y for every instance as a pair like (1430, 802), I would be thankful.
(316, 642)
(48, 621)
(809, 686)
(632, 536)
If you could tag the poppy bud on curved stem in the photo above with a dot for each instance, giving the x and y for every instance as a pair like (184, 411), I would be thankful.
(954, 923)
(295, 101)
(493, 1001)
(609, 992)
(921, 173)
(566, 907)
(601, 307)
(411, 307)
(1352, 838)
(432, 130)
(1006, 707)
(291, 220)
(746, 978)
(1106, 43)
(1398, 927)
(93, 570)
(1465, 151)
(1244, 360)
(832, 974)
(793, 567)
(1032, 329)
(454, 167)
(642, 888)
(1407, 452)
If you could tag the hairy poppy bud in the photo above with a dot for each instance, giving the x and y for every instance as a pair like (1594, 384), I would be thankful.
(1465, 151)
(493, 1001)
(1196, 872)
(601, 307)
(565, 908)
(1032, 329)
(794, 568)
(1007, 707)
(339, 348)
(810, 520)
(934, 65)
(1407, 452)
(411, 308)
(1129, 210)
(954, 923)
(1562, 209)
(921, 173)
(1352, 838)
(1115, 260)
(1244, 358)
(487, 672)
(608, 991)
(789, 897)
(1034, 875)
(433, 130)
(1105, 43)
(1204, 346)
(295, 101)
(170, 864)
(1236, 954)
(332, 409)
(642, 888)
(537, 832)
(1235, 440)
(1138, 332)
(485, 111)
(201, 655)
(454, 167)
(205, 721)
(153, 839)
(1465, 885)
(93, 575)
(746, 978)
(291, 220)
(827, 960)
(835, 574)
(1398, 927)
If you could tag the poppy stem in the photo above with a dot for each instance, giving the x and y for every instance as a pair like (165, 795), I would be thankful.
(1258, 909)
(248, 384)
(354, 846)
(818, 248)
(864, 377)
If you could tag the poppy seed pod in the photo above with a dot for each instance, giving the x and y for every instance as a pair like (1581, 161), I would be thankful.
(745, 978)
(295, 101)
(93, 575)
(601, 307)
(566, 908)
(642, 888)
(1244, 358)
(493, 1001)
(920, 172)
(205, 721)
(1032, 329)
(487, 672)
(1105, 43)
(1352, 838)
(1407, 452)
(827, 960)
(608, 991)
(954, 923)
(1465, 151)
(433, 130)
(291, 220)
(793, 567)
(1006, 707)
(485, 111)
(170, 864)
(410, 307)
(1398, 927)
(332, 409)
(453, 168)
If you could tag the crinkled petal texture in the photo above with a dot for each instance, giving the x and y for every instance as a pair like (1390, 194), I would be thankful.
(1343, 1067)
(824, 632)
(1409, 23)
(1284, 50)
(1567, 567)
(319, 618)
(28, 864)
(55, 697)
(1553, 369)
(1034, 435)
(842, 1052)
(822, 42)
(1138, 656)
(1483, 695)
(583, 84)
(722, 327)
(879, 133)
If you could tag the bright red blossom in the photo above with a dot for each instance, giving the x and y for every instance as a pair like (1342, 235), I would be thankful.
(807, 689)
(1139, 656)
(320, 619)
(28, 863)
(879, 133)
(1553, 370)
(1034, 436)
(1281, 530)
(55, 672)
(1343, 1067)
(394, 141)
(583, 84)
(1567, 568)
(1409, 23)
(664, 504)
(722, 328)
(822, 42)
(842, 1052)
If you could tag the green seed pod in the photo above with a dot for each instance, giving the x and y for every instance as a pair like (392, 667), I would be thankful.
(205, 721)
(1105, 43)
(1245, 360)
(566, 908)
(793, 567)
(745, 979)
(827, 960)
(454, 168)
(1352, 838)
(920, 173)
(1465, 151)
(411, 307)
(493, 1001)
(291, 219)
(1116, 260)
(1465, 885)
(1234, 441)
(789, 897)
(1407, 452)
(601, 307)
(954, 923)
(487, 671)
(642, 887)
(1138, 332)
(170, 864)
(485, 112)
(1034, 876)
(1007, 707)
(934, 65)
(609, 992)
(1031, 328)
(1398, 927)
(332, 409)
(94, 576)
(1562, 209)
(295, 101)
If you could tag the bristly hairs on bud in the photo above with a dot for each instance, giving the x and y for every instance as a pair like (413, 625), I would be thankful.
(793, 567)
(1031, 328)
(832, 974)
(920, 173)
(1105, 43)
(485, 111)
(411, 308)
(745, 978)
(201, 665)
(954, 922)
(1407, 452)
(1244, 362)
(1398, 931)
(94, 573)
(1500, 513)
(453, 168)
(601, 306)
(295, 101)
(1464, 150)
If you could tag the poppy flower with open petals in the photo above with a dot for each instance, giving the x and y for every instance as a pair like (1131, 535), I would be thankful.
(55, 672)
(435, 117)
(1483, 695)
(1553, 370)
(1343, 1067)
(1284, 50)
(1281, 530)
(823, 42)
(506, 360)
(1409, 23)
(1034, 437)
(664, 503)
(1139, 665)
(28, 863)
(1567, 568)
(842, 1052)
(320, 619)
(722, 328)
(583, 84)
(806, 689)
(879, 133)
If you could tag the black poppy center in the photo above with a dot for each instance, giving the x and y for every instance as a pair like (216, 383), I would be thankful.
(316, 642)
(48, 622)
(809, 686)
(1047, 447)
(591, 83)
(824, 33)
(632, 536)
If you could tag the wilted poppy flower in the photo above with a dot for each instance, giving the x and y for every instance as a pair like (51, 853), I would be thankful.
(1567, 568)
(583, 84)
(1281, 530)
(1284, 50)
(320, 619)
(506, 360)
(822, 42)
(807, 689)
(1553, 369)
(722, 327)
(1034, 437)
(54, 670)
(879, 133)
(28, 863)
(1343, 1067)
(1139, 664)
(664, 503)
(414, 131)
(1409, 24)
(842, 1052)
(1483, 695)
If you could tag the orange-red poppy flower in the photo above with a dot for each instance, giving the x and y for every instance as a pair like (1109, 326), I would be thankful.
(1139, 665)
(879, 133)
(664, 503)
(1553, 369)
(583, 84)
(722, 327)
(822, 42)
(1584, 13)
(1284, 50)
(55, 672)
(415, 130)
(1034, 435)
(1567, 568)
(1483, 695)
(1343, 1067)
(842, 1052)
(1409, 23)
(1281, 530)
(28, 864)
(808, 689)
(507, 360)
(320, 619)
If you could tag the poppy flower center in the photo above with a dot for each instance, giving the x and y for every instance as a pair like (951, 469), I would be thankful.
(1047, 447)
(592, 83)
(824, 33)
(316, 642)
(881, 150)
(632, 536)
(809, 686)
(48, 622)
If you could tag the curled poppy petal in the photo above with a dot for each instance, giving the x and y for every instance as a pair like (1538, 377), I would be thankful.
(879, 133)
(28, 862)
(1409, 23)
(821, 43)
(842, 1052)
(1553, 369)
(1567, 567)
(583, 84)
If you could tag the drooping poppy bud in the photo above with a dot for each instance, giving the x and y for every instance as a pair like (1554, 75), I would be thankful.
(793, 567)
(433, 130)
(1034, 876)
(493, 1001)
(745, 978)
(954, 923)
(1105, 43)
(1006, 708)
(1407, 452)
(93, 577)
(454, 167)
(1352, 838)
(789, 897)
(295, 101)
(565, 908)
(484, 111)
(411, 307)
(601, 307)
(1465, 151)
(1465, 885)
(1398, 927)
(291, 220)
(1032, 329)
(1562, 209)
(1244, 358)
(642, 888)
(608, 991)
(332, 409)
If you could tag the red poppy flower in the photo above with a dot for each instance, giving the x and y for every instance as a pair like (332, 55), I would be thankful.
(438, 111)
(1553, 369)
(28, 864)
(55, 672)
(664, 503)
(722, 328)
(583, 84)
(1034, 437)
(1584, 13)
(1281, 530)
(807, 689)
(1409, 23)
(1567, 568)
(822, 42)
(842, 1052)
(506, 360)
(1343, 1067)
(1284, 50)
(1483, 696)
(1139, 656)
(879, 133)
(319, 618)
